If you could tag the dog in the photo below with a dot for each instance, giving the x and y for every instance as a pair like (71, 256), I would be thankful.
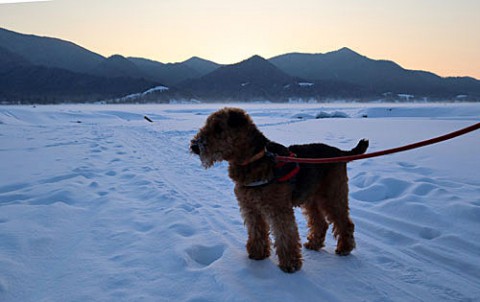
(267, 190)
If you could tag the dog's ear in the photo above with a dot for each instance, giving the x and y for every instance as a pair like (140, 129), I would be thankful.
(237, 118)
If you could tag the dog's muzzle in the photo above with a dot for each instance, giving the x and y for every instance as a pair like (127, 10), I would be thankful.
(196, 145)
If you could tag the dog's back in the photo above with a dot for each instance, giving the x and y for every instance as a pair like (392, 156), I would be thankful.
(311, 175)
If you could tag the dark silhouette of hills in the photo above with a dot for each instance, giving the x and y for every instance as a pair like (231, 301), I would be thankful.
(118, 66)
(21, 81)
(43, 69)
(174, 73)
(201, 66)
(39, 84)
(257, 79)
(252, 78)
(56, 53)
(9, 59)
(378, 76)
(50, 52)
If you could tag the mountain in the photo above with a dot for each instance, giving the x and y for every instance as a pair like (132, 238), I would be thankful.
(253, 71)
(25, 82)
(251, 78)
(174, 73)
(379, 76)
(40, 84)
(169, 74)
(57, 53)
(258, 79)
(49, 69)
(9, 59)
(118, 66)
(50, 52)
(201, 66)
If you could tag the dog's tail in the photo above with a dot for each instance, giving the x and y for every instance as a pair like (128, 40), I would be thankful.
(359, 149)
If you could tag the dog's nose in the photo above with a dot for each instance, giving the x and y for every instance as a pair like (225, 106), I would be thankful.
(194, 147)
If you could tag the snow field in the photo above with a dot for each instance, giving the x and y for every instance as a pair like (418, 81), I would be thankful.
(97, 204)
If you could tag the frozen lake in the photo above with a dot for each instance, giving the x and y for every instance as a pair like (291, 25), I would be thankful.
(97, 204)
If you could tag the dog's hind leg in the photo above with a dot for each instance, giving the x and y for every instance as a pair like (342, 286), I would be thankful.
(337, 210)
(317, 225)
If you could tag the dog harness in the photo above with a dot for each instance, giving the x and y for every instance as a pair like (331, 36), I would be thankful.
(282, 172)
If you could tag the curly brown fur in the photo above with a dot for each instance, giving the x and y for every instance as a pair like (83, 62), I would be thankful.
(320, 189)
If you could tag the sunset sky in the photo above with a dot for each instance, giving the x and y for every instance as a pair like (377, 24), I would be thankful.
(441, 36)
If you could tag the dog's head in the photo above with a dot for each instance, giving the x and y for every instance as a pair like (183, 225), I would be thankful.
(229, 134)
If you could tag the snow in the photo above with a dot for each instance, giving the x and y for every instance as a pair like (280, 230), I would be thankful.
(305, 84)
(155, 89)
(146, 92)
(97, 204)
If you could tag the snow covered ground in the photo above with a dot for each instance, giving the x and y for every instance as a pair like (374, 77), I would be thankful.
(97, 204)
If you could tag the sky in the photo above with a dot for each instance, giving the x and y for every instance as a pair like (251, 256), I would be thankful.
(441, 36)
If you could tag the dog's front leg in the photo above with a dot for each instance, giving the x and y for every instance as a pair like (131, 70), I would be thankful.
(287, 239)
(258, 243)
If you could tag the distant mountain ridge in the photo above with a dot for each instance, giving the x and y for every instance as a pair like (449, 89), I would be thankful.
(50, 52)
(257, 79)
(251, 78)
(379, 76)
(43, 69)
(23, 82)
(174, 73)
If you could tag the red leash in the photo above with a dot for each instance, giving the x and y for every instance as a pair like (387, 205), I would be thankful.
(344, 159)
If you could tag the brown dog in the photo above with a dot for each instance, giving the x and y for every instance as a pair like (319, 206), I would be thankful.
(268, 190)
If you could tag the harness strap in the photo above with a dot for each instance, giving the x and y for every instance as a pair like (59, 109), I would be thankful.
(283, 172)
(286, 171)
(290, 175)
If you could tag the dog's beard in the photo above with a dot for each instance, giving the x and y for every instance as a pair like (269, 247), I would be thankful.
(208, 161)
(207, 158)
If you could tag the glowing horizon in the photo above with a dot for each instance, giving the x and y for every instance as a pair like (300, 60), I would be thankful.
(421, 35)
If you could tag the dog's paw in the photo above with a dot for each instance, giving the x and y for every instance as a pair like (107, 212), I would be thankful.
(345, 246)
(259, 256)
(314, 246)
(291, 266)
(342, 252)
(258, 251)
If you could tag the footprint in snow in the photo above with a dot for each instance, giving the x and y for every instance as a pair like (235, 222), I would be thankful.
(386, 188)
(389, 263)
(183, 230)
(424, 189)
(111, 173)
(204, 256)
(429, 233)
(189, 207)
(411, 167)
(143, 227)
